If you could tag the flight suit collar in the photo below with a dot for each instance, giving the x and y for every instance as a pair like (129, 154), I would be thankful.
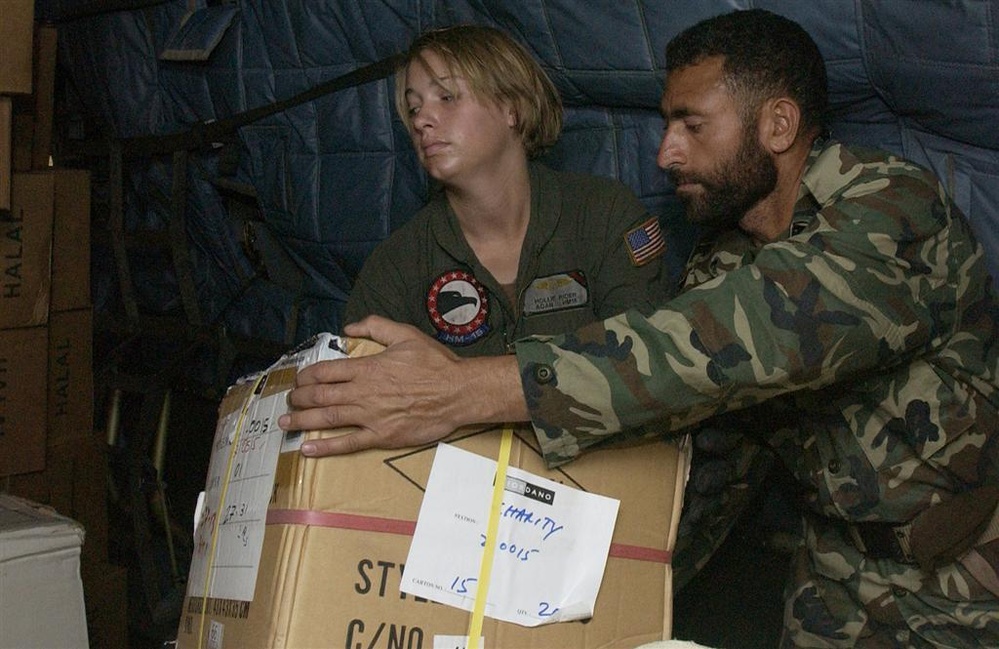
(546, 211)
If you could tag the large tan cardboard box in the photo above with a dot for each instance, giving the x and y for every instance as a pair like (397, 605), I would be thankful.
(339, 531)
(16, 31)
(41, 601)
(71, 240)
(26, 250)
(23, 380)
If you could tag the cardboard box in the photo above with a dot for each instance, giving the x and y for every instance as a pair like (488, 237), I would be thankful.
(26, 250)
(338, 533)
(70, 375)
(71, 240)
(16, 32)
(34, 113)
(23, 385)
(43, 96)
(78, 487)
(41, 602)
(74, 483)
(105, 589)
(22, 140)
(6, 125)
(45, 247)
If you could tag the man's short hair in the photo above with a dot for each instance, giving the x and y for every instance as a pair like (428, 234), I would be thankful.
(766, 56)
(496, 68)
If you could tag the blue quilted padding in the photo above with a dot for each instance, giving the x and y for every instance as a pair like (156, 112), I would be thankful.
(333, 177)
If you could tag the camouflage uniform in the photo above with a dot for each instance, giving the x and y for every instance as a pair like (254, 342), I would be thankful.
(868, 336)
(727, 473)
(728, 466)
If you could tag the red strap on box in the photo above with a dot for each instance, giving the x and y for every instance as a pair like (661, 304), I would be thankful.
(406, 528)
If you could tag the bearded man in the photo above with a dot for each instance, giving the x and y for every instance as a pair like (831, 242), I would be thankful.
(839, 296)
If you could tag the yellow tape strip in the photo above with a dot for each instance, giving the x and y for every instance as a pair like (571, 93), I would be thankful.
(486, 568)
(225, 490)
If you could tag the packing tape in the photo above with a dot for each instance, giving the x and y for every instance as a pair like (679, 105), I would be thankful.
(486, 567)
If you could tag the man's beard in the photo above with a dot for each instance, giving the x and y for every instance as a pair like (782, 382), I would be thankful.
(733, 189)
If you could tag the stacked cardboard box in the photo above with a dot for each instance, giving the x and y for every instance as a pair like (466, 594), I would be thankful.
(15, 79)
(27, 73)
(45, 317)
(49, 450)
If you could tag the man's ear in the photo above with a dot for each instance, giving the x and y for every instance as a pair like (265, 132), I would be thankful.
(780, 124)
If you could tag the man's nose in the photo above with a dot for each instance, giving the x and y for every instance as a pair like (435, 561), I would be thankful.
(669, 151)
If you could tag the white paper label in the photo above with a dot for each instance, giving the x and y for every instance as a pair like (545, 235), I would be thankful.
(229, 529)
(551, 546)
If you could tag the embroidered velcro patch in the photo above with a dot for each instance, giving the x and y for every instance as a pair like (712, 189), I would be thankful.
(645, 242)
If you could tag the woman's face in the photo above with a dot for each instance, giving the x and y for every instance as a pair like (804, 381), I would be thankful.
(456, 135)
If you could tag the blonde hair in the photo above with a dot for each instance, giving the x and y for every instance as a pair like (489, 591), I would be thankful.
(496, 68)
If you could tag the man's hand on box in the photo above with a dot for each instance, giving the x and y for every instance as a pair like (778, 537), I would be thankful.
(394, 398)
(414, 392)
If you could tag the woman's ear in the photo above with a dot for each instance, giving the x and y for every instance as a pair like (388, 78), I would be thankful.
(511, 114)
(780, 124)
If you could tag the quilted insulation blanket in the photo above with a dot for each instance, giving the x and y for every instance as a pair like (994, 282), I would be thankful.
(281, 210)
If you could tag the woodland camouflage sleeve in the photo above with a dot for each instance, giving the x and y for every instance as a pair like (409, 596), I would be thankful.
(868, 284)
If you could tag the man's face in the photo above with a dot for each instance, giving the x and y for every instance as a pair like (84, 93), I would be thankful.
(716, 162)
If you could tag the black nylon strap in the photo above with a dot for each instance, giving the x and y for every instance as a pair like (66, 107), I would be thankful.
(203, 134)
(64, 11)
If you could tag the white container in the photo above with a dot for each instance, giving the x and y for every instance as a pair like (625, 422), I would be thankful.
(41, 594)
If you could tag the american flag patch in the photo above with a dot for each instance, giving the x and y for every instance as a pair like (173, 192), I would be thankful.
(645, 242)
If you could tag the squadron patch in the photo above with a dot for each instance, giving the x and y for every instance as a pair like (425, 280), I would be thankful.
(458, 308)
(556, 293)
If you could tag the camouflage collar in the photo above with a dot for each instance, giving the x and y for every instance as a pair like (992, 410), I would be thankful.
(820, 183)
(824, 176)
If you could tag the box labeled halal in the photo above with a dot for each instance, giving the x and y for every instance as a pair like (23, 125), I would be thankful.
(334, 535)
(26, 251)
(23, 400)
